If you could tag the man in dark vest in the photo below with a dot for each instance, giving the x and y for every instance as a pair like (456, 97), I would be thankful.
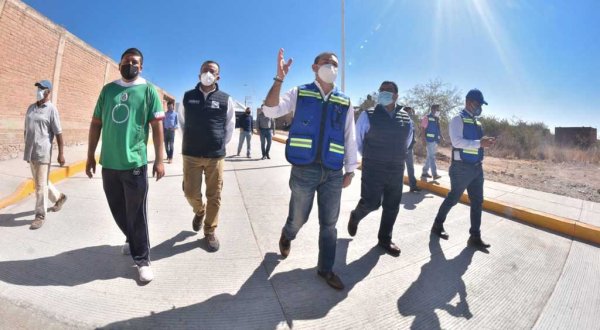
(246, 128)
(209, 123)
(466, 171)
(320, 143)
(383, 135)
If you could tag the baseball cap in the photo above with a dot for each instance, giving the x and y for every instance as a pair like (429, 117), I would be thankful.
(44, 84)
(476, 95)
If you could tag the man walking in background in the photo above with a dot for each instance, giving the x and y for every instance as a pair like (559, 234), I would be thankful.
(171, 124)
(208, 126)
(466, 170)
(432, 134)
(42, 123)
(246, 127)
(266, 128)
(125, 110)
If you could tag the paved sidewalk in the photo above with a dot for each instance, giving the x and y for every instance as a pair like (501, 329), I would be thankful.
(70, 272)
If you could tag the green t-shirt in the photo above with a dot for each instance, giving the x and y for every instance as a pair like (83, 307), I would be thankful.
(126, 110)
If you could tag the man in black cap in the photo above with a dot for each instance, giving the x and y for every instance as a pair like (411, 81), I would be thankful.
(466, 171)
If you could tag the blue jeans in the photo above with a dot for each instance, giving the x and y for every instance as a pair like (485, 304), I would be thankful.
(464, 176)
(381, 185)
(169, 135)
(265, 138)
(410, 168)
(245, 135)
(430, 161)
(304, 182)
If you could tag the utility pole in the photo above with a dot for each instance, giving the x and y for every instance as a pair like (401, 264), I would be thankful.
(343, 51)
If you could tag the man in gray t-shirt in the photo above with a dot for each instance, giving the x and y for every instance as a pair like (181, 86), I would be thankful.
(42, 123)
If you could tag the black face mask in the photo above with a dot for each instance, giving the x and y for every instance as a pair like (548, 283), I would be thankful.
(129, 72)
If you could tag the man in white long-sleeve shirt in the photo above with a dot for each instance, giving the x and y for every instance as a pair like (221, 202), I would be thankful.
(466, 171)
(321, 142)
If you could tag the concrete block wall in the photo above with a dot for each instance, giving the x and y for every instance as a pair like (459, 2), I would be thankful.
(33, 48)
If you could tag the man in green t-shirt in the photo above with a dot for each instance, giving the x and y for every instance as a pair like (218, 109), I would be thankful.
(124, 111)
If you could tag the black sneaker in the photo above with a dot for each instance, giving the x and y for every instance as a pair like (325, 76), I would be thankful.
(435, 177)
(213, 242)
(425, 176)
(197, 222)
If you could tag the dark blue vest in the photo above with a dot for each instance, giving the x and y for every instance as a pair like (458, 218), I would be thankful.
(205, 122)
(433, 129)
(471, 131)
(246, 122)
(387, 138)
(317, 131)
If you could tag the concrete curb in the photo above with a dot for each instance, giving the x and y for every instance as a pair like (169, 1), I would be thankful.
(570, 227)
(28, 187)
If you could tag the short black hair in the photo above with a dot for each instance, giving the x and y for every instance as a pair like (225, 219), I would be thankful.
(134, 51)
(170, 102)
(323, 54)
(211, 62)
(387, 82)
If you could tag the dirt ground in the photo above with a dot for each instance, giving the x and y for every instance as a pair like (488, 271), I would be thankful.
(575, 180)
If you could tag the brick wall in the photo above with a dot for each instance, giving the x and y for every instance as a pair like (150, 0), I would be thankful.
(33, 48)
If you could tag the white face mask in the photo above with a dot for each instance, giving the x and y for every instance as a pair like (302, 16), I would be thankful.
(40, 94)
(327, 73)
(207, 79)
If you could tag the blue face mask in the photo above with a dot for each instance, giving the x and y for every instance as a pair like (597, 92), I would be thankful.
(385, 98)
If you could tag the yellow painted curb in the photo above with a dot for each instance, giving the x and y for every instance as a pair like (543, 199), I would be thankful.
(28, 187)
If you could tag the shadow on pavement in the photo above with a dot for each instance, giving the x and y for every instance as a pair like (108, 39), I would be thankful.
(410, 199)
(439, 282)
(76, 267)
(10, 220)
(301, 293)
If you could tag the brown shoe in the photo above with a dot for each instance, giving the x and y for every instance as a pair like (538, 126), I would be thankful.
(197, 222)
(37, 223)
(59, 203)
(213, 242)
(285, 245)
(333, 280)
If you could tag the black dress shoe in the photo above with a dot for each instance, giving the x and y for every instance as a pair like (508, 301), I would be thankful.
(268, 157)
(390, 248)
(352, 225)
(285, 245)
(197, 222)
(439, 231)
(476, 242)
(333, 280)
(415, 189)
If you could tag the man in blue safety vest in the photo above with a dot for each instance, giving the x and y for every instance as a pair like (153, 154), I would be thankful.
(321, 142)
(383, 135)
(432, 135)
(466, 171)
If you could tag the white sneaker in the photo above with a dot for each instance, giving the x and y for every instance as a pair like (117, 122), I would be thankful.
(146, 274)
(125, 249)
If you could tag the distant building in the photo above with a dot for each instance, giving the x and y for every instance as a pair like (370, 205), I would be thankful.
(584, 137)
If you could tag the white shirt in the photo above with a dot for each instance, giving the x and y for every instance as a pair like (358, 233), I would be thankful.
(230, 121)
(456, 135)
(287, 104)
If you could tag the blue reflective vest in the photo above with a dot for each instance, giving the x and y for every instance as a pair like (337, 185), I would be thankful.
(432, 133)
(317, 131)
(471, 131)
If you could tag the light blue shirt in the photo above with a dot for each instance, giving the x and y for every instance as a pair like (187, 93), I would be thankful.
(363, 125)
(170, 121)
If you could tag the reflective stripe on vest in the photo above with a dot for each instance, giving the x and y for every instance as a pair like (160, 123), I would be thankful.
(300, 143)
(334, 147)
(304, 92)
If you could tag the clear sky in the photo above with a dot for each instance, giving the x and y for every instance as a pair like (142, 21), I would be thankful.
(536, 60)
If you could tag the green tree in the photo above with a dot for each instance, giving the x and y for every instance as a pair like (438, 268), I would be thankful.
(423, 96)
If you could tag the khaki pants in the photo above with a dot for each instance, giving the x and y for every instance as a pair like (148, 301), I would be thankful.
(44, 189)
(212, 168)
